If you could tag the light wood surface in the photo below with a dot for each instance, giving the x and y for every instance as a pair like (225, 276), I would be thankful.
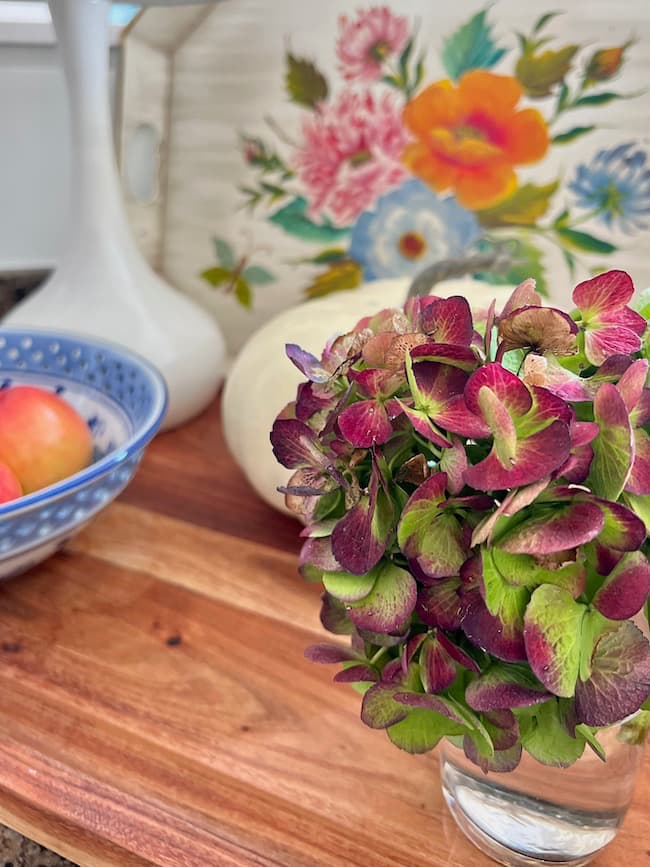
(156, 707)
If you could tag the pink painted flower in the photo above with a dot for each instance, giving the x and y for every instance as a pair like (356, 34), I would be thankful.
(351, 155)
(368, 41)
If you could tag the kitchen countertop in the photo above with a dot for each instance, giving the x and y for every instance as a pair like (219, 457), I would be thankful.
(157, 708)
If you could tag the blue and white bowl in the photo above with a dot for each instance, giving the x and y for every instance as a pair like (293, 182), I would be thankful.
(123, 399)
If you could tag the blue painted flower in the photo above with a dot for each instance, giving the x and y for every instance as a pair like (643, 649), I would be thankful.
(617, 185)
(409, 229)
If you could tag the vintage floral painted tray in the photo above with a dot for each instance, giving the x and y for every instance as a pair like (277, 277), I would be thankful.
(306, 147)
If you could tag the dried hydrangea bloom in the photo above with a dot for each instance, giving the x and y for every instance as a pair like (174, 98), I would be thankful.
(475, 492)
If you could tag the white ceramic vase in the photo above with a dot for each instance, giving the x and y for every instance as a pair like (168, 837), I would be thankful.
(103, 287)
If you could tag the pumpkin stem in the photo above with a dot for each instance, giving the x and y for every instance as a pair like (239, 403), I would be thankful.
(500, 261)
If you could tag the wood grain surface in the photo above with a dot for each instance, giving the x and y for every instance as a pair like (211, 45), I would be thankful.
(156, 708)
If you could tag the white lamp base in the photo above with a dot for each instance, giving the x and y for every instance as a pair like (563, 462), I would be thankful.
(129, 304)
(103, 287)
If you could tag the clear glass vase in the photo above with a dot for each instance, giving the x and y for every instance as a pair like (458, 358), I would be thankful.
(538, 815)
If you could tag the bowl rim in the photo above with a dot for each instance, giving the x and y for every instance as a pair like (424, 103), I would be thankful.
(113, 459)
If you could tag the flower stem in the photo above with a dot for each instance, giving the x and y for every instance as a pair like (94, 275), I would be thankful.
(584, 219)
(378, 655)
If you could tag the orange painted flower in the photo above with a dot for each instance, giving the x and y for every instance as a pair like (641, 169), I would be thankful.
(471, 136)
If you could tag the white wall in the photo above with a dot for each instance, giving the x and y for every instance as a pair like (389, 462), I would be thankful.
(34, 138)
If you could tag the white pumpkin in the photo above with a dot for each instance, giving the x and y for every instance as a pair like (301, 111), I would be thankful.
(262, 379)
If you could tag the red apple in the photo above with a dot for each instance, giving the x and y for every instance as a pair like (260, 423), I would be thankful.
(42, 438)
(10, 487)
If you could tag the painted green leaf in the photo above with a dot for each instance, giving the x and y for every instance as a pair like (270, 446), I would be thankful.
(523, 208)
(552, 634)
(293, 219)
(613, 447)
(584, 241)
(305, 84)
(597, 98)
(339, 277)
(419, 73)
(243, 292)
(274, 191)
(257, 275)
(539, 73)
(563, 97)
(217, 276)
(332, 254)
(572, 134)
(421, 730)
(546, 738)
(563, 218)
(471, 47)
(225, 255)
(404, 57)
(570, 260)
(543, 20)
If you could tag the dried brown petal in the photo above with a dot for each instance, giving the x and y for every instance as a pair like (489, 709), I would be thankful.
(400, 345)
(341, 354)
(374, 351)
(544, 329)
(303, 506)
(356, 457)
(557, 560)
(397, 321)
(414, 471)
(535, 370)
(352, 493)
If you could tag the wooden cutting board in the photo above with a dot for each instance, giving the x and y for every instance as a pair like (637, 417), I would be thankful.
(156, 707)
